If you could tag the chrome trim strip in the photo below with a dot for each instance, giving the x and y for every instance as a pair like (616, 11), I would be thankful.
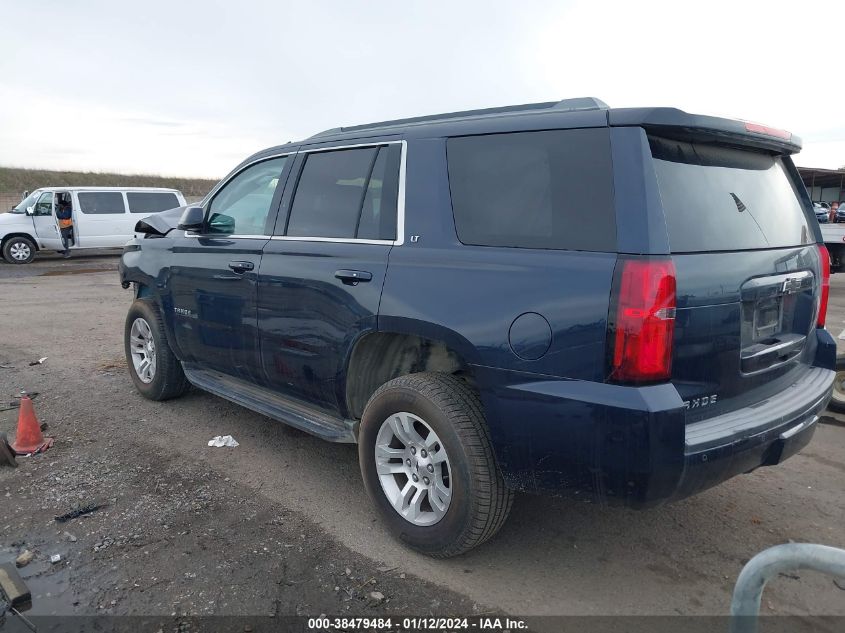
(343, 240)
(400, 202)
(311, 150)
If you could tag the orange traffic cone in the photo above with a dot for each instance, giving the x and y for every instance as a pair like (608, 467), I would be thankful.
(29, 438)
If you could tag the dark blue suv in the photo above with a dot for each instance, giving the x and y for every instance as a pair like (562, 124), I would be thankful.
(533, 298)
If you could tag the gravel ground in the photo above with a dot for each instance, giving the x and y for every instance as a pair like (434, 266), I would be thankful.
(281, 524)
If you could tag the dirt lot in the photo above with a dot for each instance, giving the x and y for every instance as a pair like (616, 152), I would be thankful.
(281, 524)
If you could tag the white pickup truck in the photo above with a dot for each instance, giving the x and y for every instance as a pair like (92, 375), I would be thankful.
(833, 235)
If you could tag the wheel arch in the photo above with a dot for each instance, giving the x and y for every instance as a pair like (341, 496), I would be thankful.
(376, 357)
(31, 238)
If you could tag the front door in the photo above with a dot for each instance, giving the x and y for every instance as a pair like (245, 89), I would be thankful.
(214, 272)
(321, 278)
(44, 221)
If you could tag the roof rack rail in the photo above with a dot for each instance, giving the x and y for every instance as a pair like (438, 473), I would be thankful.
(578, 103)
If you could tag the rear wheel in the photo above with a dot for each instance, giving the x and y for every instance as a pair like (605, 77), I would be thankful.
(428, 464)
(837, 401)
(19, 250)
(153, 367)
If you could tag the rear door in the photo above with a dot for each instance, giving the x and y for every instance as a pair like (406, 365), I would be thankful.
(743, 242)
(101, 219)
(322, 273)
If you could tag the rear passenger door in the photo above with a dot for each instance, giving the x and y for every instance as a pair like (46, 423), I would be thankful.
(322, 272)
(101, 220)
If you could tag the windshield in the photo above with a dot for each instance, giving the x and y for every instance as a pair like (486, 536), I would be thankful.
(26, 202)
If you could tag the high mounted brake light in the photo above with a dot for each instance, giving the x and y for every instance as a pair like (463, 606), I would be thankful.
(768, 131)
(641, 336)
(824, 263)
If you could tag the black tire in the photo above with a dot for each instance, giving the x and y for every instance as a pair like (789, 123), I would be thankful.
(19, 244)
(168, 380)
(837, 401)
(480, 501)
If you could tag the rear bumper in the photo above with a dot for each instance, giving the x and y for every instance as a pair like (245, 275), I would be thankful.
(764, 435)
(631, 445)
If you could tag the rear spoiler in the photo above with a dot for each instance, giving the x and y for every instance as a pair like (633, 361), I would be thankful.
(677, 124)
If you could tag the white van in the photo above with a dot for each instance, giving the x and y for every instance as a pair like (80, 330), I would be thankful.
(103, 217)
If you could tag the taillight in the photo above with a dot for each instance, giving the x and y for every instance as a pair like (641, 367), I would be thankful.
(644, 324)
(824, 263)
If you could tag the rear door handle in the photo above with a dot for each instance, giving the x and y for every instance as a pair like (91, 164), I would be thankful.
(241, 267)
(353, 277)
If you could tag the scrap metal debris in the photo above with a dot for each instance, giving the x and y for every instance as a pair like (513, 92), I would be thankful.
(82, 510)
(40, 361)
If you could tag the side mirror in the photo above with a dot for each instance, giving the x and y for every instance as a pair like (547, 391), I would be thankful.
(30, 210)
(192, 219)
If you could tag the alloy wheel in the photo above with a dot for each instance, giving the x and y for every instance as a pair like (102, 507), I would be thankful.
(413, 469)
(143, 349)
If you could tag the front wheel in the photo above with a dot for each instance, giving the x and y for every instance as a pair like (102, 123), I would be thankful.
(153, 367)
(19, 250)
(428, 464)
(837, 401)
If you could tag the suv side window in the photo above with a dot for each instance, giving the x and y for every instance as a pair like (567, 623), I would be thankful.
(44, 206)
(347, 193)
(551, 189)
(242, 205)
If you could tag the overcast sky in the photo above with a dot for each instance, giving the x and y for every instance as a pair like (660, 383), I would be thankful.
(191, 88)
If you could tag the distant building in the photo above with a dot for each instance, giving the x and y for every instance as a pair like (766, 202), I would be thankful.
(824, 185)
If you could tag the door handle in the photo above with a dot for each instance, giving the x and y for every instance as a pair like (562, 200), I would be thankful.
(353, 277)
(241, 267)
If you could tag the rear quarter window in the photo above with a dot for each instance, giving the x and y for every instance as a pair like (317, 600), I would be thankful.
(101, 202)
(726, 199)
(151, 202)
(550, 189)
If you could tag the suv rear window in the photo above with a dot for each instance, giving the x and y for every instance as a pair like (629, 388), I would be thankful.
(151, 201)
(549, 189)
(725, 199)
